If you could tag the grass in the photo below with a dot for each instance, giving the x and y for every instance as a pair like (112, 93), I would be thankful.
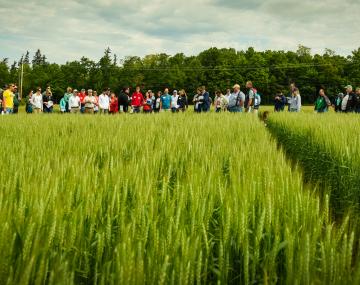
(163, 199)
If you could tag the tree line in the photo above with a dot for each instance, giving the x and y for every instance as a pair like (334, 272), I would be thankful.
(217, 69)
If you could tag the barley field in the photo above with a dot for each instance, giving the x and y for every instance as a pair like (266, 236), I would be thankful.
(165, 199)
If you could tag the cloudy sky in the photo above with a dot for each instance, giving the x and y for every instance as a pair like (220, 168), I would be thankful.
(68, 29)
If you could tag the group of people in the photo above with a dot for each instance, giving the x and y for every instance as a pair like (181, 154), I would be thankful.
(9, 99)
(107, 102)
(90, 102)
(347, 102)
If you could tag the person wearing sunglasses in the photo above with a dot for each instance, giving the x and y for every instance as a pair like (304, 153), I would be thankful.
(37, 101)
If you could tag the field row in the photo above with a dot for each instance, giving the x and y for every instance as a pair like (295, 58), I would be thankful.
(327, 147)
(158, 199)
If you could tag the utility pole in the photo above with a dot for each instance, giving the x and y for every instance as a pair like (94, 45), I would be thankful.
(21, 81)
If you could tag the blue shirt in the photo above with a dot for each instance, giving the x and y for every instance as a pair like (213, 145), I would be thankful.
(166, 101)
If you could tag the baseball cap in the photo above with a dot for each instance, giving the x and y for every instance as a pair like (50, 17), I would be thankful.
(236, 86)
(348, 86)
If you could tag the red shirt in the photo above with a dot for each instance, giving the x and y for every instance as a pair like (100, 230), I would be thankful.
(137, 99)
(147, 107)
(114, 108)
(82, 97)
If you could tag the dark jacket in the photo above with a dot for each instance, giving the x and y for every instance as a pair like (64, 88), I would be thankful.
(183, 102)
(206, 104)
(351, 103)
(123, 99)
(280, 103)
(357, 103)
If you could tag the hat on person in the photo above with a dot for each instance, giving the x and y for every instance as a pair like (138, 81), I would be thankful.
(175, 92)
(236, 86)
(348, 86)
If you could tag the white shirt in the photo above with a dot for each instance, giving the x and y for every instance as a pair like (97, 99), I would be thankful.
(344, 102)
(74, 102)
(104, 102)
(174, 100)
(227, 97)
(37, 101)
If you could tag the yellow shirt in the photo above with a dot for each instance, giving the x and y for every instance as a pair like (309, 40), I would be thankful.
(8, 97)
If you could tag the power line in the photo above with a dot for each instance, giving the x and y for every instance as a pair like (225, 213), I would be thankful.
(223, 68)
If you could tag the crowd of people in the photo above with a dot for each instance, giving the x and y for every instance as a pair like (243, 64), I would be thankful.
(347, 102)
(236, 101)
(90, 102)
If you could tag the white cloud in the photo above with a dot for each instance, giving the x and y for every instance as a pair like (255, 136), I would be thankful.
(70, 29)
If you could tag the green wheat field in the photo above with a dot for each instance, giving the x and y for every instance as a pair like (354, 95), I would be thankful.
(180, 199)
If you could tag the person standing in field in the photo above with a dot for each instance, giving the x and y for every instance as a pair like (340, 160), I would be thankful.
(8, 99)
(82, 96)
(322, 102)
(217, 102)
(236, 100)
(257, 101)
(67, 96)
(224, 103)
(200, 101)
(227, 95)
(165, 101)
(153, 98)
(174, 102)
(1, 101)
(147, 109)
(280, 102)
(249, 98)
(28, 106)
(16, 100)
(337, 102)
(74, 103)
(114, 104)
(124, 100)
(104, 102)
(157, 102)
(357, 104)
(182, 100)
(295, 105)
(96, 103)
(206, 100)
(48, 101)
(37, 101)
(62, 105)
(292, 87)
(349, 101)
(196, 100)
(89, 102)
(137, 100)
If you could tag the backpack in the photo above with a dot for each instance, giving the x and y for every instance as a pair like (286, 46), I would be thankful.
(256, 97)
(338, 101)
